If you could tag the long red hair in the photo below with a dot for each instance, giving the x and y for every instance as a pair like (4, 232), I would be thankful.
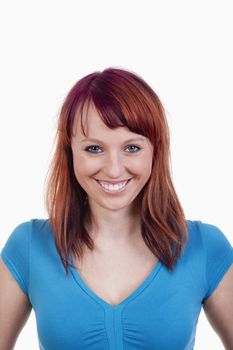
(122, 98)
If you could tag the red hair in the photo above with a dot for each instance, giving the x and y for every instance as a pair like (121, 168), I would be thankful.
(122, 98)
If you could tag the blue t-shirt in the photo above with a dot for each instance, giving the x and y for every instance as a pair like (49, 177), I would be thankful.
(162, 313)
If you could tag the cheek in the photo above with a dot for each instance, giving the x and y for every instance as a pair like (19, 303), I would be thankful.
(142, 166)
(83, 166)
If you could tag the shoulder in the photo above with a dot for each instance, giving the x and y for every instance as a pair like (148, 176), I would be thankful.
(22, 234)
(214, 250)
(19, 236)
(26, 245)
(210, 234)
(209, 242)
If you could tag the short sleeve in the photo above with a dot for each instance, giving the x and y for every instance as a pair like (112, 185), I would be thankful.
(218, 255)
(16, 253)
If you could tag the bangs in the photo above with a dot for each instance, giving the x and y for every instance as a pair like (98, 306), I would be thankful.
(114, 112)
(110, 114)
(121, 100)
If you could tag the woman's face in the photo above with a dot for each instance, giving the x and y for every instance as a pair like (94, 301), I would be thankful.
(108, 156)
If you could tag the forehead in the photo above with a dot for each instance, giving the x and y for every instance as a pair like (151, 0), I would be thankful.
(94, 127)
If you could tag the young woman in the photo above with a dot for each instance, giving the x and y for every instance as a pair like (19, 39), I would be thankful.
(116, 265)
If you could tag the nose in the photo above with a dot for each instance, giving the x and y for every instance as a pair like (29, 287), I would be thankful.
(114, 166)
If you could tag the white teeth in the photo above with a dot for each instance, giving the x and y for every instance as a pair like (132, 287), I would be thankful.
(111, 187)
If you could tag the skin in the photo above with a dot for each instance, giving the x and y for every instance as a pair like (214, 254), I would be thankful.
(115, 226)
(218, 309)
(15, 309)
(115, 218)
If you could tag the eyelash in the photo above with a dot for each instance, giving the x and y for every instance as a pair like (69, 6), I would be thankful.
(87, 148)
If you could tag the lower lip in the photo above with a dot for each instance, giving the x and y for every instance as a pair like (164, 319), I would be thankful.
(116, 191)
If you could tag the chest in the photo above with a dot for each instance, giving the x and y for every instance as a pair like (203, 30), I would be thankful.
(117, 273)
(160, 315)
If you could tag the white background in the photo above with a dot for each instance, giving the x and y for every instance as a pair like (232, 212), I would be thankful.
(183, 49)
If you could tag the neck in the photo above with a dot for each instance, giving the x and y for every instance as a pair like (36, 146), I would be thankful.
(108, 227)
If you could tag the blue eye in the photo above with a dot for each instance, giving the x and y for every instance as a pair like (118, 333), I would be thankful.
(134, 148)
(87, 149)
(94, 146)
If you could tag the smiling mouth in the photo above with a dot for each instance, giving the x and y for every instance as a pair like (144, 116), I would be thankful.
(113, 183)
(110, 188)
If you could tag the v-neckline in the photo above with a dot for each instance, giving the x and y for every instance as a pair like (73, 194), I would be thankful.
(80, 281)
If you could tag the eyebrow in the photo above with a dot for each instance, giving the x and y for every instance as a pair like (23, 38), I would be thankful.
(129, 140)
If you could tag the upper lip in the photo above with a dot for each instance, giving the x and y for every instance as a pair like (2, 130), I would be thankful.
(114, 182)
